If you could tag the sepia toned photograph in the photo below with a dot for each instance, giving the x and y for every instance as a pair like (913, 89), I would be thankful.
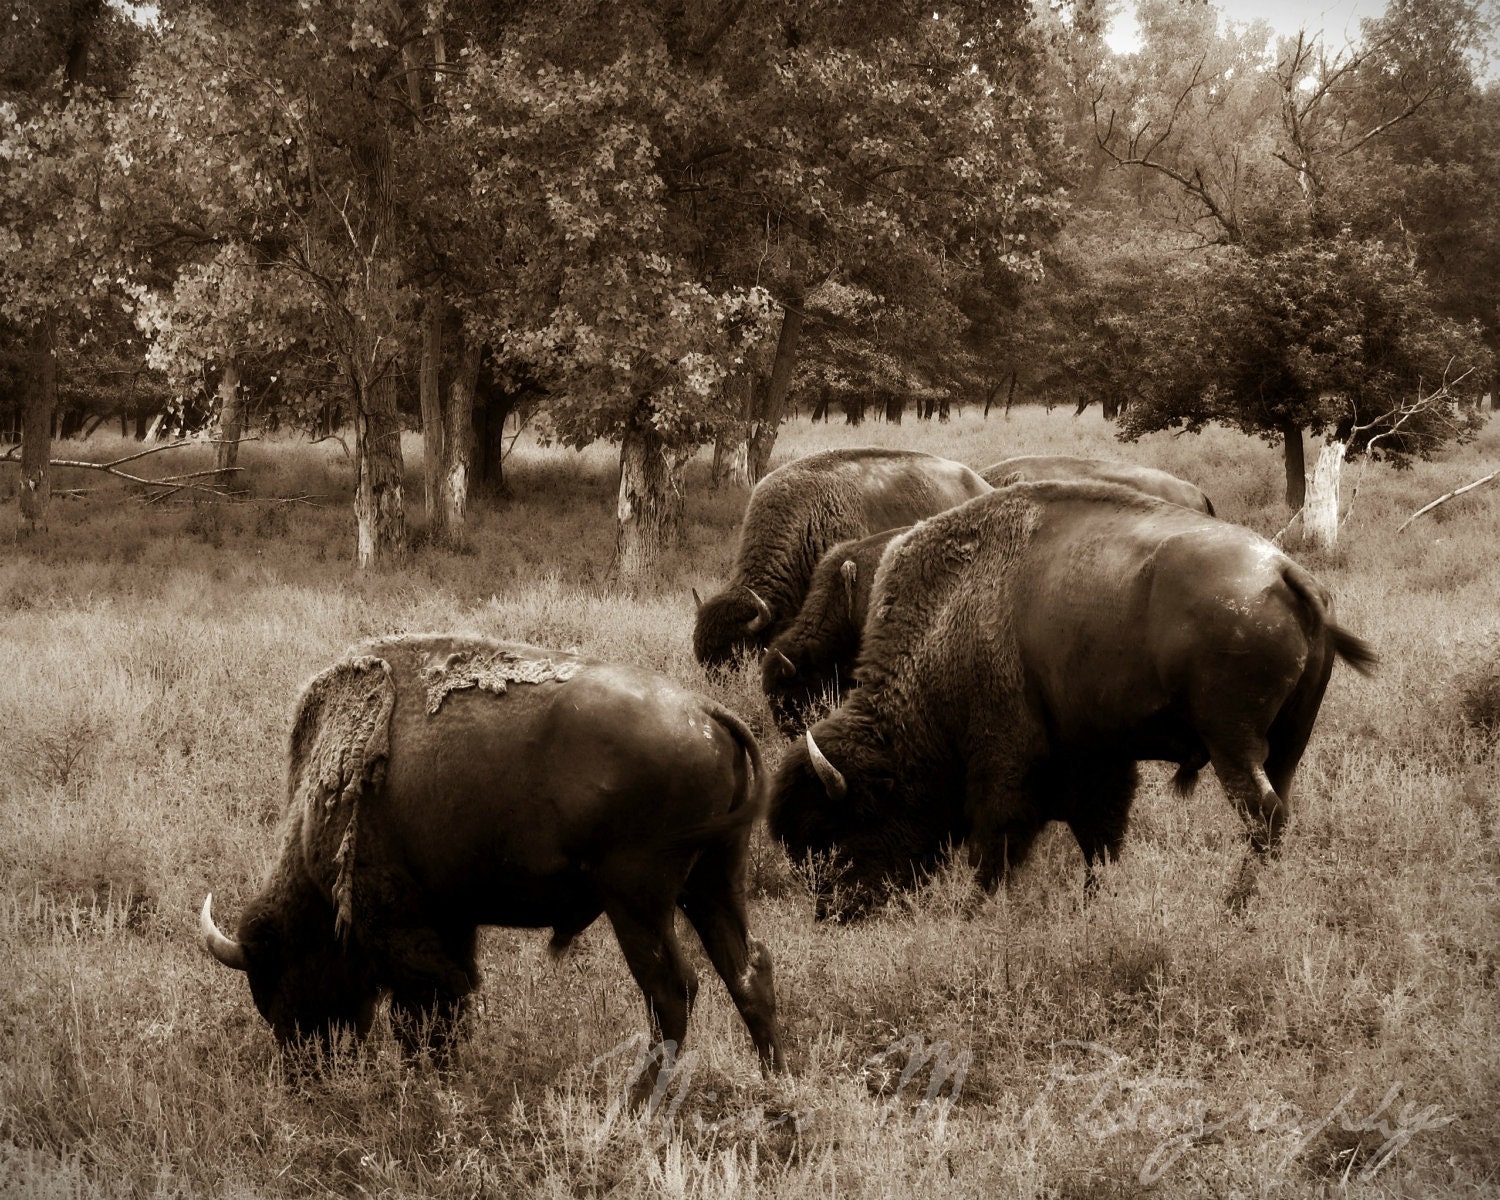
(749, 598)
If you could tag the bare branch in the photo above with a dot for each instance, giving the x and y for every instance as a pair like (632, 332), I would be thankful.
(1468, 487)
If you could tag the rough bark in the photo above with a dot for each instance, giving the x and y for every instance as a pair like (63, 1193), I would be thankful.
(772, 399)
(458, 450)
(379, 511)
(227, 448)
(1320, 512)
(1296, 464)
(649, 507)
(36, 425)
(429, 388)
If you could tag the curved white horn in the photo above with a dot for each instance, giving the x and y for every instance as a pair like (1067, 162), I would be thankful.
(225, 949)
(764, 617)
(833, 781)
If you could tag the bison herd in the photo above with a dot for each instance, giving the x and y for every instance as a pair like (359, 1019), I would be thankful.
(1000, 649)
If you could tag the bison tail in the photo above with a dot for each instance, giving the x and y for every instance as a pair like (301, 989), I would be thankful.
(1355, 651)
(749, 799)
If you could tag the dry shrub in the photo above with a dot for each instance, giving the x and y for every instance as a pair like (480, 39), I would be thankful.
(1478, 691)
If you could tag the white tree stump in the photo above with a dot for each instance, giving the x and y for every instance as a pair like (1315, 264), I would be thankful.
(1320, 515)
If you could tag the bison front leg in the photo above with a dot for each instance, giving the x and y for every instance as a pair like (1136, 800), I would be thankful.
(431, 977)
(1004, 816)
(1094, 797)
(715, 903)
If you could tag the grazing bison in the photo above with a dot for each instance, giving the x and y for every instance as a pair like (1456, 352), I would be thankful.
(439, 783)
(813, 658)
(1024, 651)
(797, 512)
(1033, 468)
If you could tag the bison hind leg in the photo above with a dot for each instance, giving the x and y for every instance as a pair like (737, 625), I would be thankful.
(714, 901)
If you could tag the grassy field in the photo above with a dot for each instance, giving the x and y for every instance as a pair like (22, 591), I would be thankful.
(1340, 1038)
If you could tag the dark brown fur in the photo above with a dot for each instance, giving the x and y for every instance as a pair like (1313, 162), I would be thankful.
(541, 789)
(801, 509)
(1034, 468)
(812, 660)
(1024, 651)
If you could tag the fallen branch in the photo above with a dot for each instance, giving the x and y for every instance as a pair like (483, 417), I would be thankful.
(1426, 508)
(1279, 538)
(332, 437)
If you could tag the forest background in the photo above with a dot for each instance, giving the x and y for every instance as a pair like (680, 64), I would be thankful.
(575, 273)
(665, 226)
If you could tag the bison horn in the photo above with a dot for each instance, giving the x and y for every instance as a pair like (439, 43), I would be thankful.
(225, 949)
(697, 600)
(788, 667)
(763, 617)
(833, 781)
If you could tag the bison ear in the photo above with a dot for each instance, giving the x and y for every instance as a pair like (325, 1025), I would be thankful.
(849, 573)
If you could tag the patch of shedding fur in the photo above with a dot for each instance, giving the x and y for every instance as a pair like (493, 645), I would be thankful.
(340, 744)
(489, 671)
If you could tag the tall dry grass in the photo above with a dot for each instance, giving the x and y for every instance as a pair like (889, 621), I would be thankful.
(1340, 1038)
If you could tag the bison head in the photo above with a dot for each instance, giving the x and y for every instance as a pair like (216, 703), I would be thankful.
(853, 812)
(797, 690)
(734, 621)
(304, 981)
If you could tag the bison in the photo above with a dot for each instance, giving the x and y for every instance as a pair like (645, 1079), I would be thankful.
(801, 509)
(1025, 651)
(813, 658)
(439, 783)
(1032, 468)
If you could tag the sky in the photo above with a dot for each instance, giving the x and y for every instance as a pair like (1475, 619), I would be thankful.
(1337, 19)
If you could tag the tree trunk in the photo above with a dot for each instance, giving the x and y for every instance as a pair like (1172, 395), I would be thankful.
(429, 387)
(1296, 464)
(227, 448)
(36, 425)
(1320, 514)
(649, 508)
(1010, 395)
(458, 450)
(772, 406)
(820, 407)
(379, 512)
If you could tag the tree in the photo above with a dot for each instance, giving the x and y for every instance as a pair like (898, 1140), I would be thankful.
(1327, 337)
(272, 139)
(1258, 159)
(55, 257)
